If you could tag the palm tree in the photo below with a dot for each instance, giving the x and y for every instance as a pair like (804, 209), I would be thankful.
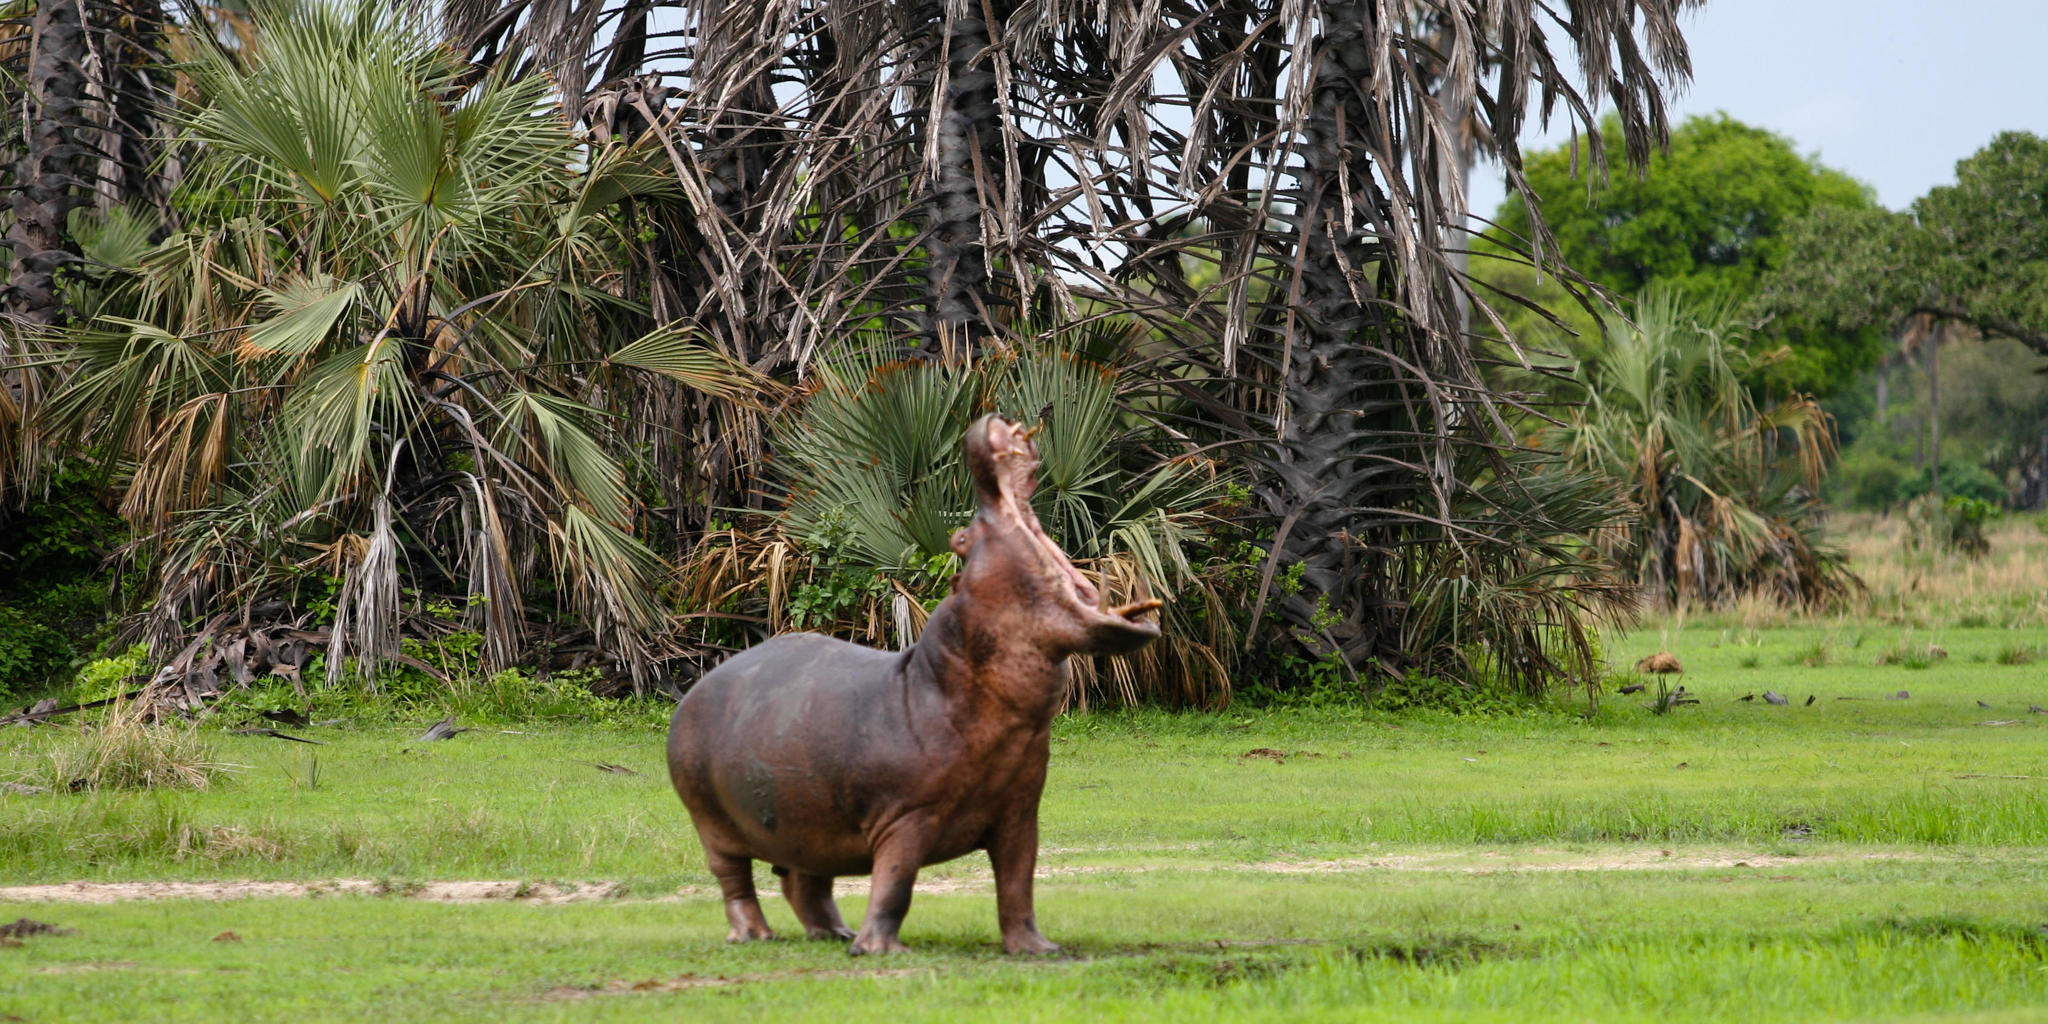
(1361, 383)
(1311, 144)
(81, 87)
(386, 352)
(1726, 492)
(828, 168)
(55, 166)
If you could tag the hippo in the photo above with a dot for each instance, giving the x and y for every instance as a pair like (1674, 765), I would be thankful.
(826, 758)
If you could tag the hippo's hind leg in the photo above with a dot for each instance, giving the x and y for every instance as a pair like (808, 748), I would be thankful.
(811, 897)
(742, 906)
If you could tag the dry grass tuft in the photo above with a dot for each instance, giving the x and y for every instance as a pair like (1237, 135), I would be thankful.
(128, 751)
(230, 843)
(1916, 587)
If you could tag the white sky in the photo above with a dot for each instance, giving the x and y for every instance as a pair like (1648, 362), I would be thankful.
(1893, 92)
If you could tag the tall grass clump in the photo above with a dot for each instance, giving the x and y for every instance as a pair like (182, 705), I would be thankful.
(1920, 585)
(128, 750)
(2018, 654)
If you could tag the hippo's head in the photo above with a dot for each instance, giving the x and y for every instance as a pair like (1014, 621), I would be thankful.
(1014, 575)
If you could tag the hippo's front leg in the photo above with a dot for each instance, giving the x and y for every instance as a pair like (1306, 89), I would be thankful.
(1013, 855)
(896, 864)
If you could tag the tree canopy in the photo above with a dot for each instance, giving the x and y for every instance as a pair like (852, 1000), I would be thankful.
(1706, 220)
(1974, 253)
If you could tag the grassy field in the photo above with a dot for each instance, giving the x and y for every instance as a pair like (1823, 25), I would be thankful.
(1859, 856)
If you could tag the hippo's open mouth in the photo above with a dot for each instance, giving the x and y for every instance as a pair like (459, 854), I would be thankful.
(1011, 475)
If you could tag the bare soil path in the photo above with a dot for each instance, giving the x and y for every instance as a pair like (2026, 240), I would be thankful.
(972, 879)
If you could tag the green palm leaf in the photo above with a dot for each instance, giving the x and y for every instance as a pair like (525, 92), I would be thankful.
(306, 311)
(680, 355)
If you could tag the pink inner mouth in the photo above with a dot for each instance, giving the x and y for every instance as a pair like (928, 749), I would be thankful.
(1016, 476)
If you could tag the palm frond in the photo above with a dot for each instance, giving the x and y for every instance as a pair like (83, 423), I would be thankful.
(679, 354)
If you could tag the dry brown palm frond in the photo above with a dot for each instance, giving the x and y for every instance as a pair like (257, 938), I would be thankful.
(1184, 667)
(366, 612)
(493, 579)
(180, 463)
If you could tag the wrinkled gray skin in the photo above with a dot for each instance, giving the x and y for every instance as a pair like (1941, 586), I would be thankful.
(825, 758)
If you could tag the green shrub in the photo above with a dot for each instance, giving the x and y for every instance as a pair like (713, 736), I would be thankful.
(103, 678)
(1952, 524)
(1870, 479)
(1961, 479)
(30, 651)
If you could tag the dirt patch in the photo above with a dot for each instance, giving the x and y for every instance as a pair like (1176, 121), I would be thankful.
(468, 891)
(91, 965)
(23, 928)
(686, 982)
(1557, 860)
(970, 880)
(1481, 863)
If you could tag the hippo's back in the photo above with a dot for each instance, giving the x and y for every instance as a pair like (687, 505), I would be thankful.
(791, 694)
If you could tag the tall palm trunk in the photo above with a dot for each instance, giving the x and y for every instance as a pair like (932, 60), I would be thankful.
(51, 178)
(967, 176)
(1346, 451)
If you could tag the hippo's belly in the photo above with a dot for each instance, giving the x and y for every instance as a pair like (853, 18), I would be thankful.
(805, 750)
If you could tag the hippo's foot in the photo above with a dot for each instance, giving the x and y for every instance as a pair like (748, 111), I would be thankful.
(811, 897)
(744, 915)
(1029, 943)
(863, 945)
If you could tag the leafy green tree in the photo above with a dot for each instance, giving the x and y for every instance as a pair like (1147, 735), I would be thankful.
(1706, 220)
(1972, 253)
(1994, 431)
(1968, 259)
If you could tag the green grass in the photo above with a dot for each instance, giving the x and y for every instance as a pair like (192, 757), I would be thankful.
(1416, 866)
(524, 804)
(1821, 941)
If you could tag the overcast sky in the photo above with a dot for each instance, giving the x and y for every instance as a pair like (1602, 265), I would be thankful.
(1893, 92)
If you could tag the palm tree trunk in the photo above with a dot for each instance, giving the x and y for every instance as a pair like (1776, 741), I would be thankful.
(1343, 406)
(51, 178)
(968, 175)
